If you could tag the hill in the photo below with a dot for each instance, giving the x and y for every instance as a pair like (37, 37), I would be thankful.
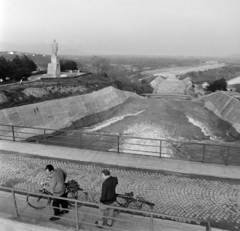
(17, 94)
(41, 48)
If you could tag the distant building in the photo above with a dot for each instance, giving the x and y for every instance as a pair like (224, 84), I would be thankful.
(230, 88)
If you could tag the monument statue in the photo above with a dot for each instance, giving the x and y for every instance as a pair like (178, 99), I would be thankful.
(54, 47)
(54, 67)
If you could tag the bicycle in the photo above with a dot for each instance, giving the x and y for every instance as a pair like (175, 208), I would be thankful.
(127, 200)
(40, 202)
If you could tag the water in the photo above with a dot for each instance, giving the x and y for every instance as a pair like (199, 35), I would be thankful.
(108, 122)
(234, 81)
(205, 129)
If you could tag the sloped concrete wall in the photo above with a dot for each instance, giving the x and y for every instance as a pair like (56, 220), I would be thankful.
(61, 113)
(227, 108)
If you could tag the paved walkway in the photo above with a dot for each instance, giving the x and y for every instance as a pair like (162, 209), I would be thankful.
(200, 197)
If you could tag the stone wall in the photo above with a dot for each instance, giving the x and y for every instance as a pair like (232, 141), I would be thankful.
(227, 108)
(60, 113)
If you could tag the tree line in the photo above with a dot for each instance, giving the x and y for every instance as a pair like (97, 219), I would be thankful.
(68, 64)
(16, 69)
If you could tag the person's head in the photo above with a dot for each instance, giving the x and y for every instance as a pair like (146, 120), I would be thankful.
(105, 173)
(49, 169)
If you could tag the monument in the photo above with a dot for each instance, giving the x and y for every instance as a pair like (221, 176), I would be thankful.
(54, 66)
(54, 70)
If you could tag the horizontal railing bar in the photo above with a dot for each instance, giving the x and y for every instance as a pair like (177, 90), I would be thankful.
(7, 136)
(22, 192)
(115, 218)
(125, 136)
(105, 143)
(137, 150)
(144, 145)
(5, 130)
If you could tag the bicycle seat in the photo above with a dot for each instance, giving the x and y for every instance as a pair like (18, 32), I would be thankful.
(130, 194)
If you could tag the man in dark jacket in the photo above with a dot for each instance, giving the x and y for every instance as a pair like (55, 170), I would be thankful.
(108, 197)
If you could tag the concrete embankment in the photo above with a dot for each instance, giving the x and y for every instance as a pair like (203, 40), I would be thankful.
(62, 113)
(227, 108)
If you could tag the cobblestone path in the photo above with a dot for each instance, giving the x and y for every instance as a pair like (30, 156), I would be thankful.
(205, 198)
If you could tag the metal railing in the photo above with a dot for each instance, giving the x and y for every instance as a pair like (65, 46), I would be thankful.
(161, 148)
(19, 207)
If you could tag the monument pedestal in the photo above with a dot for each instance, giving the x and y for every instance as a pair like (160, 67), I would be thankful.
(54, 67)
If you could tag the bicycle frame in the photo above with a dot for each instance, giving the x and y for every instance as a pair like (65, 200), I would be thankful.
(129, 198)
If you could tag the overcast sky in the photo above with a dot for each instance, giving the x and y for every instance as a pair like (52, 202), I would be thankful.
(151, 27)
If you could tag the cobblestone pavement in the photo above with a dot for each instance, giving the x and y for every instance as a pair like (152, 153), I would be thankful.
(206, 198)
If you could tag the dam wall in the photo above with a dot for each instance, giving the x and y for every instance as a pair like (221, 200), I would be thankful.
(227, 108)
(61, 113)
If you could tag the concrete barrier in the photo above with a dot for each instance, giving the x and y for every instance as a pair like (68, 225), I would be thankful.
(62, 113)
(227, 108)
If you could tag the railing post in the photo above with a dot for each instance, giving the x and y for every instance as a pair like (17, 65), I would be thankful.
(160, 153)
(227, 155)
(76, 210)
(151, 222)
(15, 203)
(45, 138)
(118, 147)
(204, 149)
(13, 133)
(208, 226)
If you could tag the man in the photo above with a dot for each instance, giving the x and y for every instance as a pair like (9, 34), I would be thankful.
(108, 197)
(56, 185)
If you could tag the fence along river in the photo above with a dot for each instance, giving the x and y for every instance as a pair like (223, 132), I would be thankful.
(154, 119)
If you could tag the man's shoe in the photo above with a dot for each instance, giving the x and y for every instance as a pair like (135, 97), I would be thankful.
(64, 212)
(54, 218)
(99, 226)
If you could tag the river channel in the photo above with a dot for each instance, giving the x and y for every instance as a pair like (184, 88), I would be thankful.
(177, 120)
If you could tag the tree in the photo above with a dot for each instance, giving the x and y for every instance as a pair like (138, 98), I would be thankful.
(28, 63)
(5, 68)
(68, 65)
(17, 62)
(18, 68)
(220, 85)
(21, 72)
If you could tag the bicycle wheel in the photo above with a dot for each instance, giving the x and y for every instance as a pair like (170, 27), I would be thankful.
(38, 202)
(141, 205)
(134, 204)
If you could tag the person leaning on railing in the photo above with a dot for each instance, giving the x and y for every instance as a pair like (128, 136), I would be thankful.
(56, 186)
(108, 197)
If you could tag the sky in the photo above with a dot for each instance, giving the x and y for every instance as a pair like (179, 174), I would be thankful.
(126, 27)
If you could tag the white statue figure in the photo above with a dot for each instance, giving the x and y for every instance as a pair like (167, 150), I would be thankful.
(54, 47)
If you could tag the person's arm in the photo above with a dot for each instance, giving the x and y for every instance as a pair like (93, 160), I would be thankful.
(104, 193)
(51, 185)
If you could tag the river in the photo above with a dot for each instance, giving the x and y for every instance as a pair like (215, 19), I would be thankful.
(182, 120)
